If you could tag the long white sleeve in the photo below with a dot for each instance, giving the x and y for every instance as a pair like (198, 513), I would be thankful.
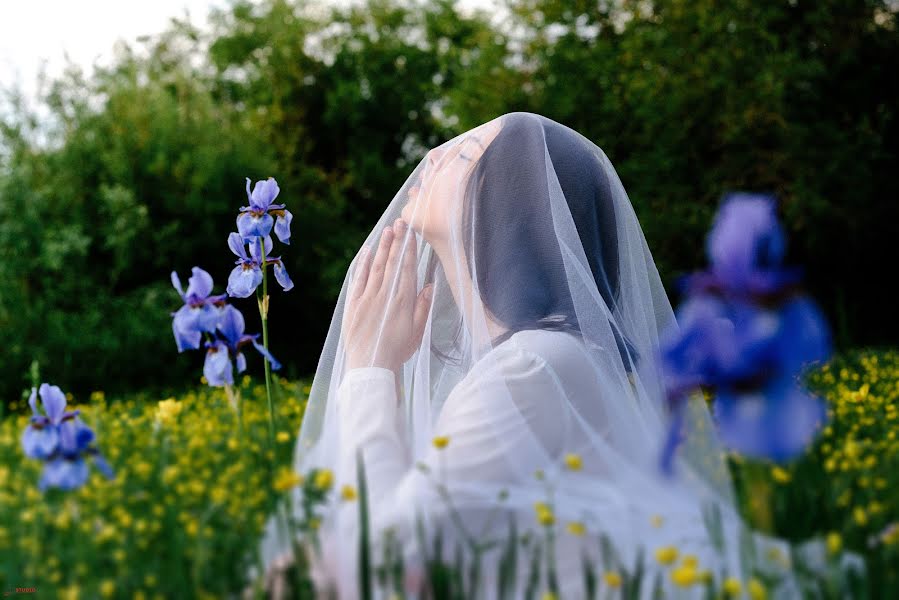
(482, 441)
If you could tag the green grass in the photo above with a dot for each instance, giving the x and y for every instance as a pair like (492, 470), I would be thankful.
(191, 494)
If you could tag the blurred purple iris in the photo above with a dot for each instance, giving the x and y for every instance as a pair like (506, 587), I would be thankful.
(746, 332)
(247, 275)
(227, 346)
(61, 439)
(745, 250)
(256, 219)
(200, 312)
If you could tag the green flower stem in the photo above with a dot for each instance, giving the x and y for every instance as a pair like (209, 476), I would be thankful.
(263, 313)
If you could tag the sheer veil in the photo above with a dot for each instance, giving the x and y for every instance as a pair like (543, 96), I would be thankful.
(524, 229)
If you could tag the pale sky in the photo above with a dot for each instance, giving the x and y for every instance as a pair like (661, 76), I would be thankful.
(33, 32)
(37, 31)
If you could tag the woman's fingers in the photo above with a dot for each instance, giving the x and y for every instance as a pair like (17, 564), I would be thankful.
(361, 274)
(396, 249)
(380, 261)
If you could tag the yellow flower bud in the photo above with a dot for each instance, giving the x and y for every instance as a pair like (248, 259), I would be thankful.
(348, 493)
(573, 462)
(780, 475)
(666, 555)
(834, 543)
(756, 589)
(612, 579)
(441, 441)
(684, 576)
(544, 514)
(324, 479)
(287, 479)
(576, 528)
(732, 587)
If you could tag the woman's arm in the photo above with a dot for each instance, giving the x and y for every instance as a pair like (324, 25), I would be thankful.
(500, 420)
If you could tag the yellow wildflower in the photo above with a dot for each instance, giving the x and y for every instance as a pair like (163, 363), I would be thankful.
(684, 576)
(283, 437)
(167, 411)
(834, 543)
(287, 479)
(544, 514)
(324, 479)
(780, 475)
(549, 596)
(441, 441)
(612, 579)
(70, 593)
(573, 462)
(666, 555)
(348, 493)
(576, 528)
(691, 561)
(107, 588)
(732, 587)
(756, 589)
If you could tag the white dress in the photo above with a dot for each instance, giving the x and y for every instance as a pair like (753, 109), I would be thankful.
(541, 369)
(529, 363)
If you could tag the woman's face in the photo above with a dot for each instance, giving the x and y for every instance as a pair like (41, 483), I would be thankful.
(436, 200)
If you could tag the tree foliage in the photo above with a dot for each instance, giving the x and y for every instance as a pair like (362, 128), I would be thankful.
(138, 169)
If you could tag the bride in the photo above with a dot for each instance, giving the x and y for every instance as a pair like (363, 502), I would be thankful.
(492, 356)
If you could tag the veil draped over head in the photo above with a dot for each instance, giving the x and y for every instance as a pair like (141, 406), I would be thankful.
(537, 363)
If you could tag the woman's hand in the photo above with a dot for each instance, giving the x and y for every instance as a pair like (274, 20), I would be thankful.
(370, 307)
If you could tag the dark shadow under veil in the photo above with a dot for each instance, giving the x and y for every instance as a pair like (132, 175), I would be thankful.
(520, 272)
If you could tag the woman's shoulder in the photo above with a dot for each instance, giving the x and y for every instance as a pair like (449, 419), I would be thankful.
(536, 354)
(556, 347)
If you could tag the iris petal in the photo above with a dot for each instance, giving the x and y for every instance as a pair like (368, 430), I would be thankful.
(282, 226)
(32, 401)
(253, 224)
(200, 284)
(268, 355)
(243, 281)
(282, 276)
(235, 243)
(217, 368)
(184, 326)
(64, 474)
(776, 422)
(54, 402)
(232, 325)
(264, 193)
(256, 247)
(176, 283)
(40, 443)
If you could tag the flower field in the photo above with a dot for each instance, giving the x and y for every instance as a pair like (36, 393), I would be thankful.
(191, 492)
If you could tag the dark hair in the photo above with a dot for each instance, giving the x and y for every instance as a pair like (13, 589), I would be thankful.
(518, 265)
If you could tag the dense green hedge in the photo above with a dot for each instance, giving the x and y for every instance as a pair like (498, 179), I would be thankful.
(138, 169)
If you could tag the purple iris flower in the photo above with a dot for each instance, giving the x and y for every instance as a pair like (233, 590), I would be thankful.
(748, 352)
(247, 275)
(61, 439)
(256, 219)
(746, 332)
(745, 247)
(776, 421)
(218, 368)
(200, 312)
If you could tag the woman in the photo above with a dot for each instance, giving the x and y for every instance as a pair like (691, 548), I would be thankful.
(494, 348)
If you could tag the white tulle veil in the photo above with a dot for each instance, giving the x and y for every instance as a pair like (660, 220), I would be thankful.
(535, 232)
